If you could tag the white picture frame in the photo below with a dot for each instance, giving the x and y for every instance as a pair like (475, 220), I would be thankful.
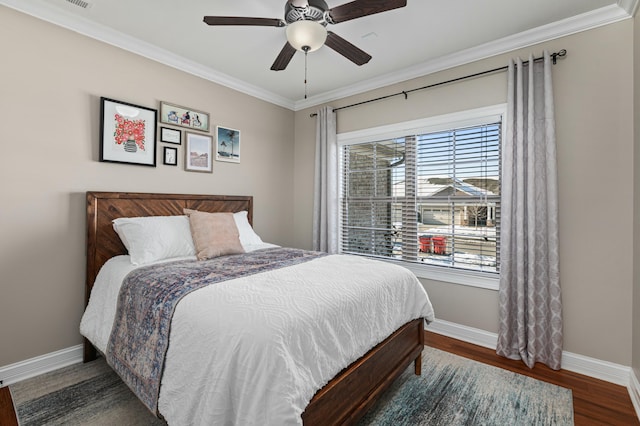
(227, 144)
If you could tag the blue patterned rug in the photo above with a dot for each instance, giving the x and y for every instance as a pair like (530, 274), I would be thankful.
(458, 391)
(451, 391)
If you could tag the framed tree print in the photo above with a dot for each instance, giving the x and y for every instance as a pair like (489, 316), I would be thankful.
(127, 133)
(228, 144)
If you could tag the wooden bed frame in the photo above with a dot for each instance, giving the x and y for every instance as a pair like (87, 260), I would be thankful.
(348, 395)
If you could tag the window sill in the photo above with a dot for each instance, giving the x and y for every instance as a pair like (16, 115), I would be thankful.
(484, 280)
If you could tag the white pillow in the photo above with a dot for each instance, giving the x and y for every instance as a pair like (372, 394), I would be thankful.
(154, 238)
(247, 234)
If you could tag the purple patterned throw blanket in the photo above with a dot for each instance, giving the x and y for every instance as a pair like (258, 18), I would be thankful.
(148, 297)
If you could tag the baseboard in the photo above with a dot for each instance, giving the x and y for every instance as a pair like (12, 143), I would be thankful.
(634, 392)
(22, 370)
(466, 334)
(592, 367)
(603, 370)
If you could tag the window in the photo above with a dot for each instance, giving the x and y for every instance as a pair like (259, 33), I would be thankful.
(426, 193)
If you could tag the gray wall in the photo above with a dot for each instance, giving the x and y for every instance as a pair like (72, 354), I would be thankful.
(50, 89)
(594, 113)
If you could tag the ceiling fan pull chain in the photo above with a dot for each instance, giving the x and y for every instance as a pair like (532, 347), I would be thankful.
(306, 53)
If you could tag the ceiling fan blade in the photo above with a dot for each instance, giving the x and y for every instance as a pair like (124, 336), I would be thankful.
(283, 58)
(239, 20)
(346, 49)
(360, 8)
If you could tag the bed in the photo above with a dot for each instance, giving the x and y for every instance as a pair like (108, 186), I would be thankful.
(344, 398)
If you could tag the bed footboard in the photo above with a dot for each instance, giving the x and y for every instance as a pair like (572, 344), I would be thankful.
(347, 397)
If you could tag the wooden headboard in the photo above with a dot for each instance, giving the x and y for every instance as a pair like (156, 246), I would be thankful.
(102, 207)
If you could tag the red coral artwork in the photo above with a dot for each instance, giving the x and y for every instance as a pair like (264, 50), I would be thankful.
(129, 130)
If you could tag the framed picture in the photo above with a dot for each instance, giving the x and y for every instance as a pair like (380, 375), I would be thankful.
(170, 156)
(170, 135)
(127, 133)
(228, 144)
(197, 154)
(184, 117)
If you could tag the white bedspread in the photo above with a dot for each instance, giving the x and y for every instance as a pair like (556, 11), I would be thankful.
(254, 351)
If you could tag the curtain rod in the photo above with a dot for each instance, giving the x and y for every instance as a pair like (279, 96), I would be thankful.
(554, 57)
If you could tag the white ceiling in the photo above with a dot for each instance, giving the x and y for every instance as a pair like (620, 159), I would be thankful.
(425, 36)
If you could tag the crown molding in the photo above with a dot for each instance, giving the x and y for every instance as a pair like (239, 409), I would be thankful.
(46, 12)
(586, 21)
(41, 9)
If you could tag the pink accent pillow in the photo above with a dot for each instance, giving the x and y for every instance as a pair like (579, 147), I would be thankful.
(214, 234)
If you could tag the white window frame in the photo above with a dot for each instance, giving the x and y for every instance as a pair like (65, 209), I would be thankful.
(468, 118)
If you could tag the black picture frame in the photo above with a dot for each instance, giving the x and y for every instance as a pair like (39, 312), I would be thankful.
(169, 135)
(170, 156)
(127, 133)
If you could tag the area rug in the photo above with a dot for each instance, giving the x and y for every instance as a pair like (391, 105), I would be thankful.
(458, 391)
(451, 391)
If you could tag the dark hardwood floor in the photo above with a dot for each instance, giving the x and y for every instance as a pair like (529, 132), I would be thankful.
(595, 402)
(7, 413)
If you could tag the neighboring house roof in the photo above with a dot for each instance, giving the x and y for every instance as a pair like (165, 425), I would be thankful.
(428, 189)
(471, 189)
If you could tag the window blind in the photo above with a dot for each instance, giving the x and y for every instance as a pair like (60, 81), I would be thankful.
(432, 198)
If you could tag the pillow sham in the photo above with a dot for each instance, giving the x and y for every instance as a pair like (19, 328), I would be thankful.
(154, 238)
(214, 234)
(247, 234)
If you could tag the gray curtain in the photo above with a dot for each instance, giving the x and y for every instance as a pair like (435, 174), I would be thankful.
(325, 205)
(530, 301)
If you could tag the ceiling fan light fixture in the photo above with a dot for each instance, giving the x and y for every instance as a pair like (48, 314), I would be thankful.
(306, 35)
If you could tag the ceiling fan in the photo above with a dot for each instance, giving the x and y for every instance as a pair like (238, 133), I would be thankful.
(306, 21)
